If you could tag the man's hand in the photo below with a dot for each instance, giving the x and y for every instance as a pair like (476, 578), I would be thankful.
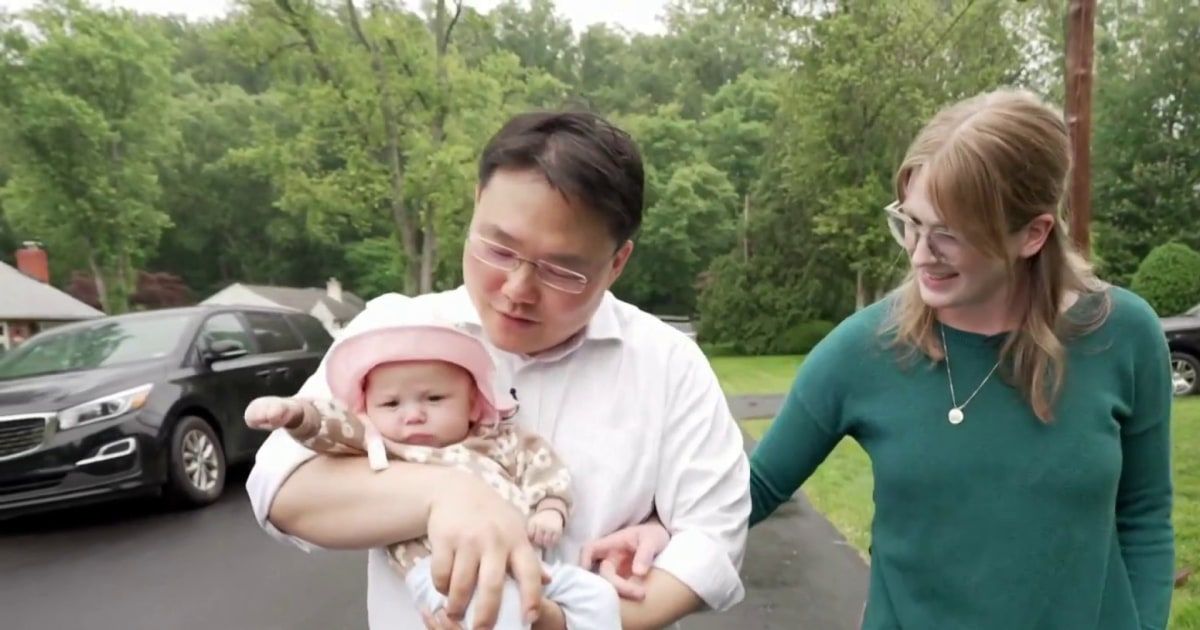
(272, 412)
(626, 556)
(545, 528)
(478, 538)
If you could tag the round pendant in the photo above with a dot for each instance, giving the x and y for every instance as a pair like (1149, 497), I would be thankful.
(955, 416)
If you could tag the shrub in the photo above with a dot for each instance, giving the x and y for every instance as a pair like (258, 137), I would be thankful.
(801, 338)
(1169, 279)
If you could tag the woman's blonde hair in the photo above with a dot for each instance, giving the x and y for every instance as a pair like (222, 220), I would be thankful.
(994, 162)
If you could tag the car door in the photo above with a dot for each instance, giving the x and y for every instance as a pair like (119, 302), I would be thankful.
(316, 343)
(230, 384)
(285, 348)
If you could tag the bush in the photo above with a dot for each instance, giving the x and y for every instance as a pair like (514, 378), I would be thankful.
(1169, 279)
(801, 338)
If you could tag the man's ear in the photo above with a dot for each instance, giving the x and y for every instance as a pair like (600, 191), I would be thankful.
(619, 261)
(1036, 233)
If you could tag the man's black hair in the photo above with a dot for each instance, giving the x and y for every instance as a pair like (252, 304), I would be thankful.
(589, 160)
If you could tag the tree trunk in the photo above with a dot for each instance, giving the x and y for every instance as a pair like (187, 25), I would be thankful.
(402, 216)
(746, 228)
(860, 291)
(98, 279)
(444, 28)
(428, 251)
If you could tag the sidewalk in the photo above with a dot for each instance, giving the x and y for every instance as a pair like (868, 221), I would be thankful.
(799, 572)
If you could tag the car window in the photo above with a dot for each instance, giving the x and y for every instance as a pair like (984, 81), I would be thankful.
(224, 327)
(272, 332)
(103, 343)
(314, 333)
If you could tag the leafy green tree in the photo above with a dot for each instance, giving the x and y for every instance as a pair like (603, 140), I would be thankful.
(84, 95)
(691, 223)
(1146, 152)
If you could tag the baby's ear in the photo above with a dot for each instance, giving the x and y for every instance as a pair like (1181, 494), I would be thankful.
(477, 406)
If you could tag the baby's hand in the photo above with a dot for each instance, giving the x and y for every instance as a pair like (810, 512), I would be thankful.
(545, 528)
(272, 412)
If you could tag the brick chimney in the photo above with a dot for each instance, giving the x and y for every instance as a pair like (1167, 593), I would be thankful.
(334, 289)
(33, 262)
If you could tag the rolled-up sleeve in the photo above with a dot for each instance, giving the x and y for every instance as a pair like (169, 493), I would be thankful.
(703, 495)
(277, 459)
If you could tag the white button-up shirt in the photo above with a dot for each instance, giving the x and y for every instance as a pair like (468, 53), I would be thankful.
(632, 407)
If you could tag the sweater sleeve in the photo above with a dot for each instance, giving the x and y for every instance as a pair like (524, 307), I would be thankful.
(1144, 527)
(804, 431)
(328, 427)
(544, 477)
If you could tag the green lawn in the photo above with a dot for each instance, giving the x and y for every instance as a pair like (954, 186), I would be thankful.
(756, 375)
(1185, 458)
(841, 487)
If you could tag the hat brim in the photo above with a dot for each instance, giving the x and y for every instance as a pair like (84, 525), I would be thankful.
(353, 358)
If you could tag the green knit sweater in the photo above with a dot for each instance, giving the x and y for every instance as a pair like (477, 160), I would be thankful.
(1002, 521)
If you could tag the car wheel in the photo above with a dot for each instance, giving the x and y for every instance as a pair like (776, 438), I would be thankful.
(1185, 373)
(197, 466)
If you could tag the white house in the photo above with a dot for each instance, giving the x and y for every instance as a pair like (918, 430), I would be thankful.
(28, 303)
(331, 305)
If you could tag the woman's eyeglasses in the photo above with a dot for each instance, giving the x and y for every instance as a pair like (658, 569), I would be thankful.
(943, 243)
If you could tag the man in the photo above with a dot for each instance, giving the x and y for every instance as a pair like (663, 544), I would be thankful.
(631, 405)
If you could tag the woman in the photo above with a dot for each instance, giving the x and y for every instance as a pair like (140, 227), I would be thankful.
(1016, 410)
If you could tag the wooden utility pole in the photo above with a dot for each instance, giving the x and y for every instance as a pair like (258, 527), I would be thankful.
(1081, 23)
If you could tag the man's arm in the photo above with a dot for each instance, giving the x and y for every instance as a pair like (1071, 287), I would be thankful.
(703, 499)
(325, 494)
(667, 600)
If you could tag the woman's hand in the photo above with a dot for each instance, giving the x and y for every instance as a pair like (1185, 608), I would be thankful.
(625, 556)
(478, 539)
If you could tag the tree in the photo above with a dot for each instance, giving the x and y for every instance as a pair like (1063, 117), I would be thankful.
(221, 200)
(844, 123)
(539, 36)
(692, 222)
(367, 80)
(1147, 138)
(84, 93)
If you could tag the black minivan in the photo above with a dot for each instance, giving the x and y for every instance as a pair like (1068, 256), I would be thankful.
(143, 403)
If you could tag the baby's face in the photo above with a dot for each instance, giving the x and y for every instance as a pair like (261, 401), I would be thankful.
(420, 402)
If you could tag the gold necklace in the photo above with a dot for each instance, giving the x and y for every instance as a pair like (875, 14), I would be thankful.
(956, 415)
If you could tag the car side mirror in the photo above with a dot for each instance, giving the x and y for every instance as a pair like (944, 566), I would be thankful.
(225, 349)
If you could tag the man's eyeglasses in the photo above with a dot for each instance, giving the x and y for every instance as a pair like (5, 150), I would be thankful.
(554, 276)
(943, 244)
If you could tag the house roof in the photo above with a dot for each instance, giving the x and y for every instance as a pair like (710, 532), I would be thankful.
(26, 298)
(304, 300)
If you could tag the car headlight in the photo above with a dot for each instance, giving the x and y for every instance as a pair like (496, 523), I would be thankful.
(104, 408)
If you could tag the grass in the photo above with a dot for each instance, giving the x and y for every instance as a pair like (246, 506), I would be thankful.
(841, 487)
(1185, 458)
(756, 375)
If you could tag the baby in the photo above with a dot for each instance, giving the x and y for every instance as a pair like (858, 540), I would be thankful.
(425, 393)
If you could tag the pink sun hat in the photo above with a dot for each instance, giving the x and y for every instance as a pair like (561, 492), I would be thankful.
(418, 335)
